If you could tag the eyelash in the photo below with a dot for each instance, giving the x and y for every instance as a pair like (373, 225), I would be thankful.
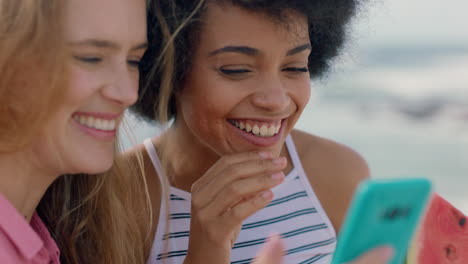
(242, 71)
(134, 63)
(297, 69)
(237, 71)
(91, 60)
(96, 60)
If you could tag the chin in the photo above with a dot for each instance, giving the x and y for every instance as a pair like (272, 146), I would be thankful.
(97, 160)
(97, 168)
(93, 164)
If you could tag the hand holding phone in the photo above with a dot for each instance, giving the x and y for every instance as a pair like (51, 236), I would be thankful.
(383, 212)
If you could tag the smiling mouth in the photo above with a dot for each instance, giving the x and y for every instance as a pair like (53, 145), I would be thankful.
(96, 123)
(259, 129)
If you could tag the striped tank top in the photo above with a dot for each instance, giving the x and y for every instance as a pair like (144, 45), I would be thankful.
(295, 213)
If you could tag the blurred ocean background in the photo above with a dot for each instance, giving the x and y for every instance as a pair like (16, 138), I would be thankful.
(399, 94)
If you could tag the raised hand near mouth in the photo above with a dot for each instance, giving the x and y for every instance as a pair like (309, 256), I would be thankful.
(234, 188)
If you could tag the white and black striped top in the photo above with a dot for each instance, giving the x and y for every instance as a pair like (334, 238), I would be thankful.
(295, 213)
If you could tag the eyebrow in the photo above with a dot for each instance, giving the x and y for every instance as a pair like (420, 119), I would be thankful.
(236, 49)
(253, 51)
(299, 49)
(106, 44)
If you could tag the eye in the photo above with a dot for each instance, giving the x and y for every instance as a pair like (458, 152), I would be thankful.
(90, 59)
(234, 71)
(134, 63)
(296, 69)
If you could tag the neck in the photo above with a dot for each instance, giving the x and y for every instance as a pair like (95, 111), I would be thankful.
(184, 157)
(22, 182)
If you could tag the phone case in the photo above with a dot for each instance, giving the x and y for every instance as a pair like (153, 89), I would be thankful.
(383, 212)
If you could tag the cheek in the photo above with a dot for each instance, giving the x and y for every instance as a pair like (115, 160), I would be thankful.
(51, 148)
(204, 113)
(305, 95)
(206, 99)
(81, 85)
(300, 94)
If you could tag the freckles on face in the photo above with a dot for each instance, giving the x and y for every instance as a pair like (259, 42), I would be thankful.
(249, 80)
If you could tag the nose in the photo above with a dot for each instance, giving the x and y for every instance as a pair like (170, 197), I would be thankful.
(123, 86)
(271, 95)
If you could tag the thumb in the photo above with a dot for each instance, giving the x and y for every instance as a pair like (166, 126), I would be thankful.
(380, 255)
(272, 252)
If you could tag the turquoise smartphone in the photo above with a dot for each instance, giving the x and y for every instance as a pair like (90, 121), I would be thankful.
(383, 212)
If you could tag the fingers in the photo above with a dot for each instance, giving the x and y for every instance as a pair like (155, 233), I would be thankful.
(244, 189)
(246, 208)
(272, 251)
(380, 255)
(238, 180)
(227, 161)
(234, 188)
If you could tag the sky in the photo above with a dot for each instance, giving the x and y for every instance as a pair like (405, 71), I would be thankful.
(430, 22)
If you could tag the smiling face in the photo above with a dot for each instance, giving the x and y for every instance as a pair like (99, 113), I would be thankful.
(104, 52)
(248, 83)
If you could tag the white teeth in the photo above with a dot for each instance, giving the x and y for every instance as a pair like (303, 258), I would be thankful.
(105, 124)
(264, 131)
(259, 130)
(272, 131)
(248, 128)
(96, 123)
(90, 121)
(256, 130)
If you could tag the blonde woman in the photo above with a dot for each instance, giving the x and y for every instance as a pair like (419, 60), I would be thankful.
(68, 70)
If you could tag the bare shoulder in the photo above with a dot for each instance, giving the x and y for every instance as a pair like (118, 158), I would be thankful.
(333, 169)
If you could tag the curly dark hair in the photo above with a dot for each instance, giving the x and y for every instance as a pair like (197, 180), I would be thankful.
(174, 27)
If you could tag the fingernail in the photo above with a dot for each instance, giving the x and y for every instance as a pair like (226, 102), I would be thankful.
(279, 161)
(274, 236)
(275, 243)
(267, 195)
(264, 155)
(386, 253)
(277, 176)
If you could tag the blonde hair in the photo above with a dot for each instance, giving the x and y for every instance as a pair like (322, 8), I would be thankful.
(100, 218)
(91, 217)
(31, 47)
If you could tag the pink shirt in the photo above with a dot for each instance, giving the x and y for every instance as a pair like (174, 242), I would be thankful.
(23, 242)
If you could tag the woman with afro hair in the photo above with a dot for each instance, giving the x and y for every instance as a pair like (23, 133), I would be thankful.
(232, 78)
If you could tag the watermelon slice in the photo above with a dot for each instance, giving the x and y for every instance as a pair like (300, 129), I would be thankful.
(442, 237)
